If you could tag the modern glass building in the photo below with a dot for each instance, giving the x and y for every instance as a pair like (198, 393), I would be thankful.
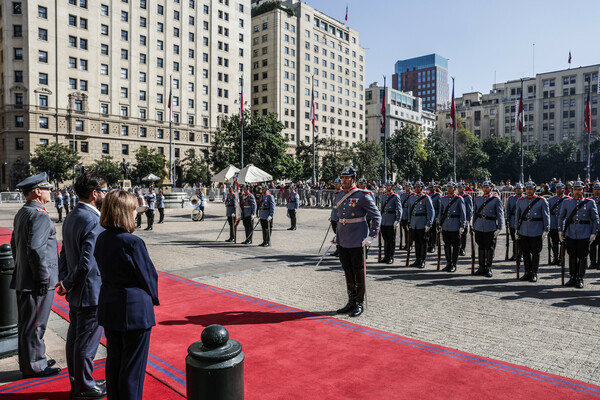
(426, 77)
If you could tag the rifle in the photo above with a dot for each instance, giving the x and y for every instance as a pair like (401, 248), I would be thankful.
(507, 243)
(226, 220)
(379, 245)
(408, 249)
(439, 250)
(472, 251)
(400, 242)
(517, 257)
(549, 255)
(562, 263)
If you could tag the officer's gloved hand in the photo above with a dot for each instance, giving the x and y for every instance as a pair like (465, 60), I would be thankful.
(496, 233)
(333, 241)
(561, 236)
(40, 288)
(427, 229)
(367, 241)
(269, 218)
(517, 235)
(460, 231)
(544, 236)
(396, 224)
(592, 238)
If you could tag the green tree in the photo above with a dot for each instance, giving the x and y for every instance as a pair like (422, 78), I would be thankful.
(57, 160)
(107, 168)
(559, 162)
(470, 164)
(406, 152)
(195, 168)
(368, 158)
(335, 158)
(147, 161)
(304, 155)
(438, 164)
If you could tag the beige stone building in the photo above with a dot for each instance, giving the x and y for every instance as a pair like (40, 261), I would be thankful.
(295, 46)
(96, 75)
(553, 103)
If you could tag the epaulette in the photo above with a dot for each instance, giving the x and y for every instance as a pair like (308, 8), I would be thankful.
(459, 196)
(366, 191)
(425, 194)
(42, 210)
(541, 197)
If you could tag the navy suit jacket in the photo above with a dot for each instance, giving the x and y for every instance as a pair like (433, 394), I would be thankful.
(129, 289)
(77, 267)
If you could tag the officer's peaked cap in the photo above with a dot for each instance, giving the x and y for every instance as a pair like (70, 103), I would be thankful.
(35, 181)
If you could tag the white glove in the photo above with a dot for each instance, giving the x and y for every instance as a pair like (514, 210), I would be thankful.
(269, 218)
(561, 236)
(544, 236)
(396, 223)
(427, 229)
(333, 241)
(367, 241)
(233, 215)
(496, 233)
(460, 231)
(592, 238)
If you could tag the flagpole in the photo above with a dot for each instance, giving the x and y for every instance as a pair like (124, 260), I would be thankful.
(385, 175)
(312, 99)
(589, 125)
(453, 141)
(171, 172)
(242, 120)
(520, 124)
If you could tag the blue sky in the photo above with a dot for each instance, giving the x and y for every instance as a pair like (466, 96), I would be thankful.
(482, 38)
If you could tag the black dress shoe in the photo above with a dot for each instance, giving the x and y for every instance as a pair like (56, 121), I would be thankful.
(512, 258)
(347, 308)
(148, 228)
(533, 278)
(462, 252)
(390, 261)
(431, 250)
(447, 268)
(48, 371)
(262, 244)
(266, 244)
(358, 309)
(384, 260)
(579, 283)
(525, 277)
(97, 392)
(480, 271)
(229, 240)
(51, 362)
(452, 268)
(571, 282)
(421, 265)
(415, 264)
(488, 273)
(100, 382)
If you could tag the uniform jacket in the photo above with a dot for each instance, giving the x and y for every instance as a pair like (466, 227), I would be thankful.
(457, 213)
(293, 201)
(373, 197)
(248, 205)
(422, 214)
(160, 201)
(230, 204)
(267, 206)
(66, 198)
(491, 217)
(73, 200)
(554, 213)
(537, 219)
(404, 201)
(202, 199)
(511, 210)
(129, 288)
(77, 267)
(333, 216)
(584, 222)
(150, 200)
(355, 208)
(34, 248)
(468, 205)
(58, 201)
(435, 201)
(391, 210)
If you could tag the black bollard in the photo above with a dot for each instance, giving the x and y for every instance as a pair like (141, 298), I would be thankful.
(215, 367)
(9, 344)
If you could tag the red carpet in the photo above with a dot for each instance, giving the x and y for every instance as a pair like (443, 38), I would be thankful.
(293, 354)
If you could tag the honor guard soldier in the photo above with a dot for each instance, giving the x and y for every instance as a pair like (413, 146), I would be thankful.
(391, 213)
(533, 224)
(452, 217)
(420, 220)
(141, 203)
(201, 201)
(488, 219)
(594, 245)
(555, 203)
(435, 200)
(353, 236)
(511, 218)
(469, 214)
(578, 221)
(73, 199)
(248, 210)
(337, 184)
(160, 206)
(266, 213)
(58, 203)
(230, 212)
(150, 201)
(66, 201)
(35, 251)
(404, 202)
(293, 203)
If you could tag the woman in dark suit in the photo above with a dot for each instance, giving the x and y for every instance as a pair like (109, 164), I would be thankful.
(128, 295)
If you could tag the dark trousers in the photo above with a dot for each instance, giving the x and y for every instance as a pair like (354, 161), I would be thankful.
(292, 217)
(150, 217)
(594, 250)
(353, 265)
(59, 210)
(388, 234)
(248, 227)
(463, 239)
(451, 246)
(531, 246)
(32, 321)
(419, 238)
(231, 222)
(267, 229)
(486, 244)
(138, 221)
(554, 243)
(513, 236)
(161, 213)
(334, 226)
(126, 358)
(432, 238)
(66, 209)
(405, 228)
(578, 250)
(83, 338)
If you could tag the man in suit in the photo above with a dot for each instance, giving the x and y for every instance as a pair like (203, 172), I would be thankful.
(35, 252)
(80, 282)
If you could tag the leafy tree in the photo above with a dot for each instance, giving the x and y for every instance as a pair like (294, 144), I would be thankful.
(107, 168)
(406, 152)
(195, 168)
(57, 160)
(559, 162)
(368, 158)
(335, 159)
(438, 164)
(147, 161)
(304, 155)
(470, 164)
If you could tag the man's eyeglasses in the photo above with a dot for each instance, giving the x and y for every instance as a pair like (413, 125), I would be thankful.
(101, 190)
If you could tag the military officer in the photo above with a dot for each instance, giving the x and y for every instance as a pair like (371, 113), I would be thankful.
(141, 205)
(420, 221)
(293, 203)
(511, 218)
(578, 223)
(35, 251)
(488, 219)
(594, 245)
(469, 213)
(266, 213)
(533, 224)
(160, 206)
(202, 201)
(66, 200)
(435, 200)
(452, 217)
(150, 198)
(230, 206)
(337, 184)
(555, 204)
(58, 203)
(248, 210)
(73, 199)
(404, 202)
(391, 213)
(353, 235)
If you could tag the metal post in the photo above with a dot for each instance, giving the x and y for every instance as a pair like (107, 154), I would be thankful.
(171, 174)
(314, 178)
(385, 175)
(241, 122)
(522, 174)
(589, 132)
(453, 142)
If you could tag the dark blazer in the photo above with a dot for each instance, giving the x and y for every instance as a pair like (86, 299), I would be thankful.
(77, 267)
(129, 289)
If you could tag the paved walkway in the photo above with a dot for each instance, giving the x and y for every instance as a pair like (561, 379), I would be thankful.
(542, 326)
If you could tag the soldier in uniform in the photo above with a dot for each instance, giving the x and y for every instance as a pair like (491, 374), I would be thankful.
(337, 184)
(435, 200)
(452, 216)
(594, 245)
(58, 203)
(230, 212)
(469, 213)
(511, 218)
(150, 200)
(488, 219)
(160, 205)
(66, 200)
(391, 214)
(266, 213)
(555, 204)
(202, 201)
(578, 224)
(293, 203)
(420, 221)
(353, 235)
(248, 210)
(533, 224)
(141, 203)
(404, 202)
(35, 251)
(73, 200)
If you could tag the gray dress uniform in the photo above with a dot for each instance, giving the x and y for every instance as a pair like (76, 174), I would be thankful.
(469, 210)
(333, 219)
(391, 213)
(435, 201)
(420, 216)
(533, 219)
(66, 201)
(595, 245)
(293, 203)
(555, 204)
(451, 218)
(58, 203)
(404, 221)
(151, 200)
(248, 211)
(511, 221)
(230, 213)
(160, 205)
(265, 214)
(488, 217)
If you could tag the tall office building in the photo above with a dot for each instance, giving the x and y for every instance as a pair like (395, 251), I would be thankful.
(426, 77)
(96, 75)
(295, 47)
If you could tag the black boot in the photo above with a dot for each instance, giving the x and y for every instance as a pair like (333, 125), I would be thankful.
(351, 295)
(358, 309)
(385, 258)
(454, 250)
(228, 240)
(535, 264)
(348, 307)
(448, 254)
(527, 269)
(488, 267)
(481, 261)
(390, 253)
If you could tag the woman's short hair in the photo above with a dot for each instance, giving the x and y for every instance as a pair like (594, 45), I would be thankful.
(117, 211)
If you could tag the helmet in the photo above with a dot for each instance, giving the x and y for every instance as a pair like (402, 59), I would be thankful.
(560, 185)
(596, 184)
(363, 180)
(487, 183)
(461, 184)
(578, 184)
(349, 171)
(518, 185)
(450, 184)
(408, 183)
(389, 183)
(337, 181)
(419, 183)
(431, 183)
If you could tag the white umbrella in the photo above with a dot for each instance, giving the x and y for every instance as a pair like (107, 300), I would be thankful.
(252, 174)
(151, 177)
(225, 175)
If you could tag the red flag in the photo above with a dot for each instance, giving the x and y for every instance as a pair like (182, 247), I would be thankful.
(453, 109)
(520, 114)
(383, 110)
(587, 123)
(170, 108)
(346, 12)
(242, 107)
(569, 56)
(312, 108)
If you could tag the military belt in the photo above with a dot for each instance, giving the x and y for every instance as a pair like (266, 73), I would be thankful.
(389, 212)
(453, 216)
(580, 222)
(351, 220)
(532, 219)
(419, 214)
(486, 217)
